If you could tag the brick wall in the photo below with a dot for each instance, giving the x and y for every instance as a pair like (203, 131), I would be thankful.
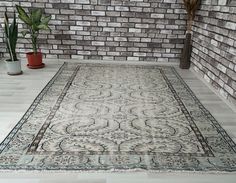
(214, 46)
(150, 30)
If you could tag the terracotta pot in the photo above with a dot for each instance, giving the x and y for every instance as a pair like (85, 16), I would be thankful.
(34, 60)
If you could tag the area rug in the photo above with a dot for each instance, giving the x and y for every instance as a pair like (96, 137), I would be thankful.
(95, 117)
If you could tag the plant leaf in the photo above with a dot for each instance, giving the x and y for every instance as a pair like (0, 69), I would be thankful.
(46, 19)
(36, 16)
(13, 33)
(24, 32)
(23, 15)
(43, 27)
(6, 22)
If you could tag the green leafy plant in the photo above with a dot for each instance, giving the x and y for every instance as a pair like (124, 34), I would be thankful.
(35, 22)
(191, 7)
(11, 35)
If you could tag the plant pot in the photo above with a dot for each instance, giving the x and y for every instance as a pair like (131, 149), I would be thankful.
(13, 67)
(35, 60)
(186, 54)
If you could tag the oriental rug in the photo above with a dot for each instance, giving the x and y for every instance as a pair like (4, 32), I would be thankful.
(93, 117)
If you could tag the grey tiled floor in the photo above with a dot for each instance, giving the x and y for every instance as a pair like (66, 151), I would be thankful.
(18, 92)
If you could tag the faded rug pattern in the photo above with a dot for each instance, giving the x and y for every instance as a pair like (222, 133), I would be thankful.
(117, 117)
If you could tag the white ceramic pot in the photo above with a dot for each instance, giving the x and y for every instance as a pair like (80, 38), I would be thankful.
(13, 67)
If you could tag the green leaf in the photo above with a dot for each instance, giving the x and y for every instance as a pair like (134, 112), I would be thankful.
(6, 22)
(35, 27)
(13, 33)
(6, 18)
(24, 32)
(12, 28)
(46, 19)
(23, 15)
(43, 27)
(15, 36)
(36, 16)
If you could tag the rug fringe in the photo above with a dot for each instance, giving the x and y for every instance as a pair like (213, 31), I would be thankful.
(119, 171)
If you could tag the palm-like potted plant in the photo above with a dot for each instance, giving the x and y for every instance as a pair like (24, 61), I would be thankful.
(35, 22)
(11, 35)
(191, 7)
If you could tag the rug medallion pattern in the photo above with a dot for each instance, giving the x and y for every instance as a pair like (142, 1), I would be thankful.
(122, 117)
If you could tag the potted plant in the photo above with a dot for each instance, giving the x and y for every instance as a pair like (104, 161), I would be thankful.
(191, 7)
(35, 22)
(11, 35)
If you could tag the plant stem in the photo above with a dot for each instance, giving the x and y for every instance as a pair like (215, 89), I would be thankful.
(189, 24)
(34, 46)
(34, 43)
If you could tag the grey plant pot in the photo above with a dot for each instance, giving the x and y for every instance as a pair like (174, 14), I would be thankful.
(13, 67)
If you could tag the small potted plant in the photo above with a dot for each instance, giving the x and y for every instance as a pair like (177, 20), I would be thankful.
(191, 7)
(11, 35)
(35, 22)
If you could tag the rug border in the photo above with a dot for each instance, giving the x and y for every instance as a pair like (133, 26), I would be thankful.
(10, 136)
(215, 122)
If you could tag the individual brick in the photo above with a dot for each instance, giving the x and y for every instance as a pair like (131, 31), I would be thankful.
(98, 13)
